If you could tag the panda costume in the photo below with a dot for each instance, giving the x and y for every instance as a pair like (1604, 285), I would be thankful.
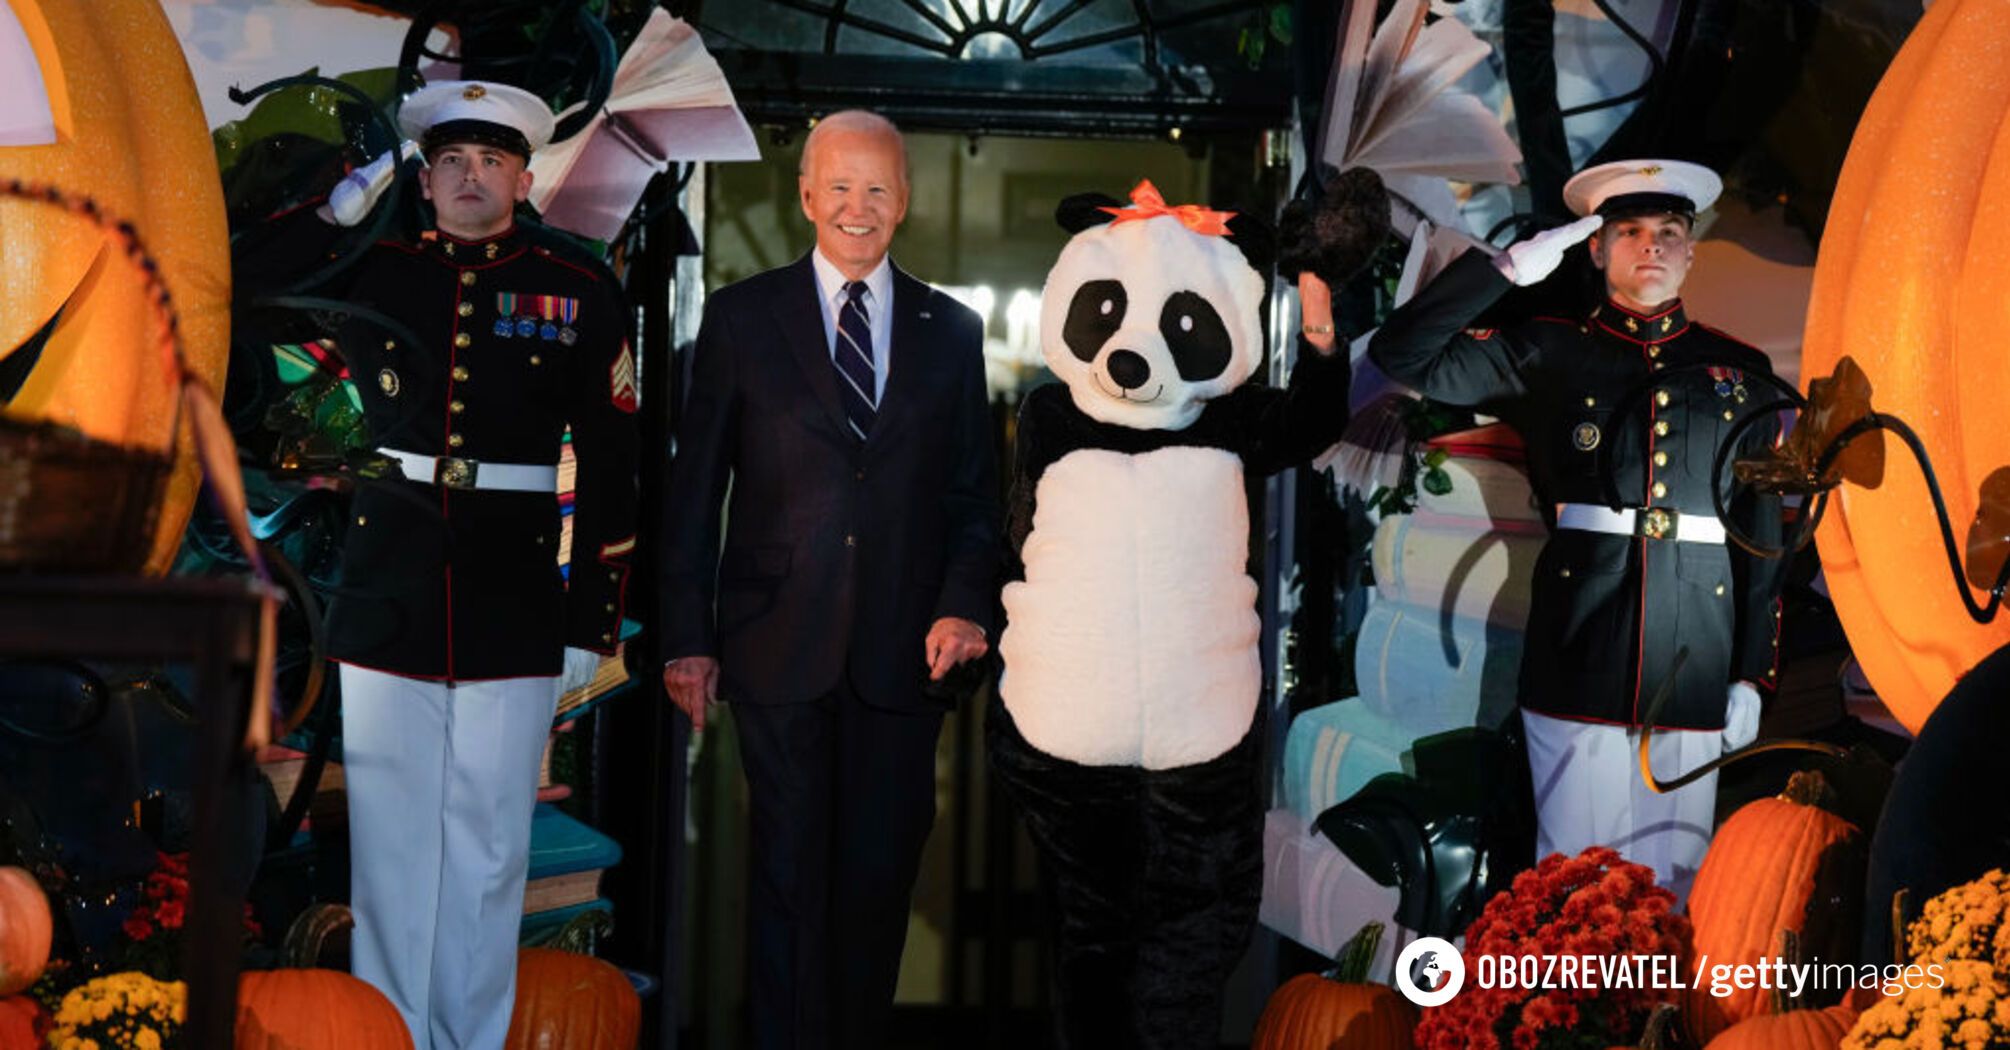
(1127, 722)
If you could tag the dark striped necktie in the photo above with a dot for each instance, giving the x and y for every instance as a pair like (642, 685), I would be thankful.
(854, 361)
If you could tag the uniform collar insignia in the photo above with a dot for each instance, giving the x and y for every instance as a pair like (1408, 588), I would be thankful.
(1638, 327)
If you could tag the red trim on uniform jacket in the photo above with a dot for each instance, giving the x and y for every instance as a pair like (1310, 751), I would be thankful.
(549, 254)
(1632, 338)
(1638, 316)
(438, 677)
(1588, 720)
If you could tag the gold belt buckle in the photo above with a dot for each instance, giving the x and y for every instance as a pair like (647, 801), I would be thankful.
(455, 473)
(1657, 523)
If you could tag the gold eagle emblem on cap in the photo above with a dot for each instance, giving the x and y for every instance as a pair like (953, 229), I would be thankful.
(1651, 169)
(475, 91)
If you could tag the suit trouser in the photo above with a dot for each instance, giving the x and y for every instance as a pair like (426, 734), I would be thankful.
(842, 796)
(1588, 792)
(441, 783)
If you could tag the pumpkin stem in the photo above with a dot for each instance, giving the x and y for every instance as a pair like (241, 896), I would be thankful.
(1660, 1024)
(1807, 788)
(310, 930)
(1351, 962)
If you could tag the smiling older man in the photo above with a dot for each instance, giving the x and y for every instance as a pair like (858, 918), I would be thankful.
(844, 401)
(1622, 409)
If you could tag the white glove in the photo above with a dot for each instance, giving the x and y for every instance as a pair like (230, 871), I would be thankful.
(1741, 716)
(580, 665)
(1528, 262)
(357, 193)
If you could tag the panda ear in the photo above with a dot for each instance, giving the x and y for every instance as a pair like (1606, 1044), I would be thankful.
(1083, 210)
(1256, 239)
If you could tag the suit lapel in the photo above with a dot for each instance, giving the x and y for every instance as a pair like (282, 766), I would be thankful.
(908, 352)
(802, 320)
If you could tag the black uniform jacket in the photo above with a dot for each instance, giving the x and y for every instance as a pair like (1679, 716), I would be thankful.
(838, 554)
(455, 583)
(1609, 615)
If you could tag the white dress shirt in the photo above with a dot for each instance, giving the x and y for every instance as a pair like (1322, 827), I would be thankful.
(878, 312)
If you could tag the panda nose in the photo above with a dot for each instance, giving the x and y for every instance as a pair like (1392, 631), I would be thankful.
(1129, 369)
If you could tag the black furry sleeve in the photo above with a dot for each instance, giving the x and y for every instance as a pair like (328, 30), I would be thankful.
(1033, 448)
(1285, 428)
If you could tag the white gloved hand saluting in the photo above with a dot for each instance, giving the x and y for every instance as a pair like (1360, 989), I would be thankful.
(580, 664)
(1741, 716)
(357, 193)
(1529, 262)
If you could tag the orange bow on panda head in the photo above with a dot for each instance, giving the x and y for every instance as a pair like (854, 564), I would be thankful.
(1146, 203)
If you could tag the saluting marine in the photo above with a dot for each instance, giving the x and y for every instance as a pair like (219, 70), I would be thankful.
(1622, 411)
(453, 623)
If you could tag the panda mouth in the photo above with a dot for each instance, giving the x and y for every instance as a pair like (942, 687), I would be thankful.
(1125, 395)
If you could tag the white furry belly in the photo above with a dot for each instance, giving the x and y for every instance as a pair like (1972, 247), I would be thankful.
(1132, 640)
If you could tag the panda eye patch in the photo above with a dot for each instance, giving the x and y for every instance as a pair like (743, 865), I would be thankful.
(1094, 315)
(1193, 331)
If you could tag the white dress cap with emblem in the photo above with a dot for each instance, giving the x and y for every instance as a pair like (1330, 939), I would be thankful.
(1593, 188)
(472, 103)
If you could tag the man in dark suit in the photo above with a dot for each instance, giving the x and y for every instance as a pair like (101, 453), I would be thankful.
(844, 401)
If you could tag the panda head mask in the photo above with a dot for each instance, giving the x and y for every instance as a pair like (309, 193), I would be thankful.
(1151, 311)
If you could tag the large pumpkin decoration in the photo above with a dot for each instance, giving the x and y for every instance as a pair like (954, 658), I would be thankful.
(21, 1020)
(568, 1001)
(1777, 866)
(1313, 1012)
(315, 1010)
(1822, 1029)
(24, 930)
(1913, 283)
(127, 132)
(1340, 1010)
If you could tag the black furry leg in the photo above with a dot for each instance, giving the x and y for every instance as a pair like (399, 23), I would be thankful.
(1203, 881)
(1154, 878)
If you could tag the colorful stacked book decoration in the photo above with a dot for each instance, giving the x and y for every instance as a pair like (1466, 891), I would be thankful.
(1438, 652)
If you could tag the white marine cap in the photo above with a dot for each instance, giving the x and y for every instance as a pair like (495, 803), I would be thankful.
(1639, 186)
(476, 111)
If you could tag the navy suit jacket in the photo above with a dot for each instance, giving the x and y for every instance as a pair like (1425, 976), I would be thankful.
(838, 554)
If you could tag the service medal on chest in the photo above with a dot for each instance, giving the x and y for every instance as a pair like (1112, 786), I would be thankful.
(1586, 436)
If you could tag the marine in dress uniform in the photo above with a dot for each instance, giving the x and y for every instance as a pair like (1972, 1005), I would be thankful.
(453, 623)
(1622, 410)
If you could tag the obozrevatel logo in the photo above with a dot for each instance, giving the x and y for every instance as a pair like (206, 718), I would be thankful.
(1430, 971)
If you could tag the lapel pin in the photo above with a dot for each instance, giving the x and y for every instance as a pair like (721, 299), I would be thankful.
(925, 315)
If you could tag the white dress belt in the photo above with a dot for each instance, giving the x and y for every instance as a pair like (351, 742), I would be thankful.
(456, 473)
(1660, 523)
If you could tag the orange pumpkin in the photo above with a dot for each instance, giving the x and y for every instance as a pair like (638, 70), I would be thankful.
(1793, 1030)
(1777, 866)
(568, 1001)
(315, 1010)
(1312, 1012)
(1340, 1010)
(1912, 281)
(24, 930)
(128, 132)
(20, 1016)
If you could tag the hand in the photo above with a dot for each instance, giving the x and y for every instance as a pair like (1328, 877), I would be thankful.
(357, 193)
(693, 685)
(951, 641)
(580, 666)
(1532, 260)
(1315, 310)
(1741, 716)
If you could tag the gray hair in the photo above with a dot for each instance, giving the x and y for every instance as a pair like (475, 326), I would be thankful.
(864, 120)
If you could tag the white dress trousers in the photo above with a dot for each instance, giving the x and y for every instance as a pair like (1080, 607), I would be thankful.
(1588, 792)
(442, 781)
